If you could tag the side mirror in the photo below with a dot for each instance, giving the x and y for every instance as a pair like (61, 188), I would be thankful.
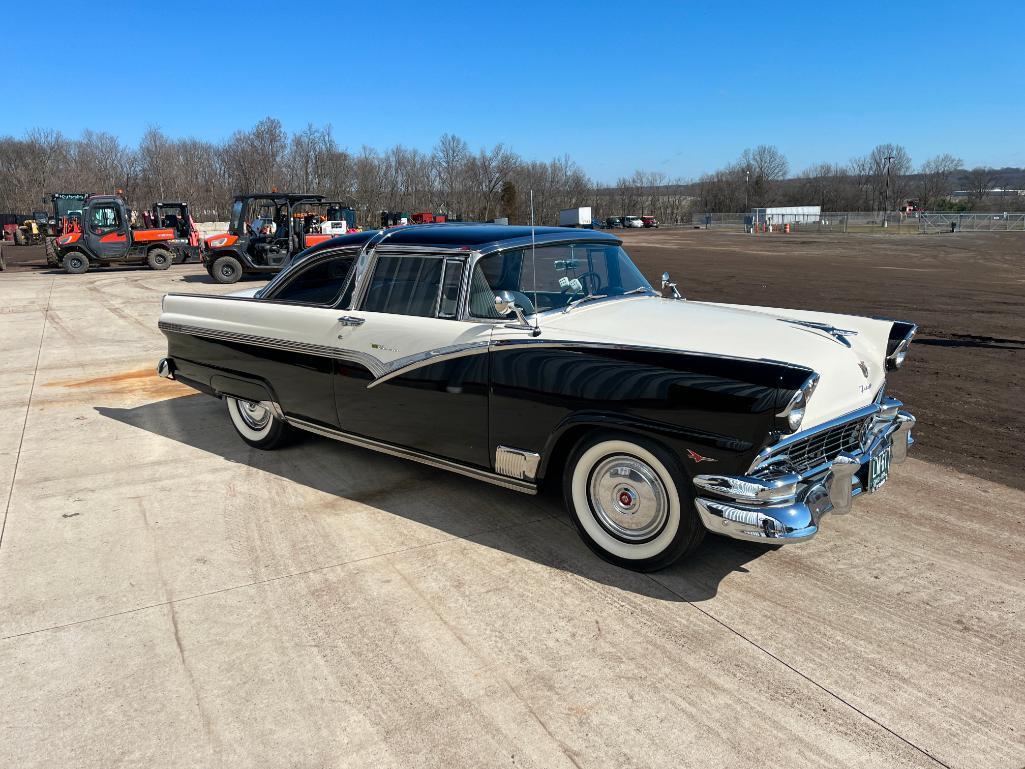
(506, 306)
(669, 290)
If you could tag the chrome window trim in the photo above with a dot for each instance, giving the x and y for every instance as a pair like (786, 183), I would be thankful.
(476, 256)
(470, 471)
(396, 255)
(282, 280)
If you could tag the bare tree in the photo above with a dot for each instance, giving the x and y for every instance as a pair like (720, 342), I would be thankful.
(979, 181)
(935, 178)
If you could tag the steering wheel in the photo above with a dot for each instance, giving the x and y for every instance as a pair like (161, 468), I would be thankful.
(592, 276)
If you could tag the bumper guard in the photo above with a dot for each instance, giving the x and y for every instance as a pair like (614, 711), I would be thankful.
(787, 508)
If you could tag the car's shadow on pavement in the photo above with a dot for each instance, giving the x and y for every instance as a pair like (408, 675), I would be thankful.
(534, 528)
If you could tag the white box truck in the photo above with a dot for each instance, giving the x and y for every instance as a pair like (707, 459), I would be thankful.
(575, 217)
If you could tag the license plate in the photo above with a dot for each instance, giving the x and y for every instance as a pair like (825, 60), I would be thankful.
(879, 468)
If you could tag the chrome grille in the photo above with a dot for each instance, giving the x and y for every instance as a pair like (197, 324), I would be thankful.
(817, 449)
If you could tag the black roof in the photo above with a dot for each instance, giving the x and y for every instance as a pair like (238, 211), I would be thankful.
(471, 237)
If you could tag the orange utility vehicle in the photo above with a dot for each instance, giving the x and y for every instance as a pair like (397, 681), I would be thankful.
(105, 236)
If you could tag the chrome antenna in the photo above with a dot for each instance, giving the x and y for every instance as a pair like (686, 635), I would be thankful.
(533, 267)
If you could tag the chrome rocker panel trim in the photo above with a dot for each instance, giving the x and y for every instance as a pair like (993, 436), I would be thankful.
(788, 508)
(523, 486)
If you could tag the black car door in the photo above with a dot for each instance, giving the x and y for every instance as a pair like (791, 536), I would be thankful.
(418, 375)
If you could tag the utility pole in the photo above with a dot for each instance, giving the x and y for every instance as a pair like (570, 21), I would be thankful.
(886, 195)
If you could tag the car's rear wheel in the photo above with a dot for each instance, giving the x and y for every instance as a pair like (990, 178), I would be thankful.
(630, 501)
(256, 423)
(76, 263)
(226, 269)
(159, 259)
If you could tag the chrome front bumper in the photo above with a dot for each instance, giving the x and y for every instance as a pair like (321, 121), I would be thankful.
(787, 508)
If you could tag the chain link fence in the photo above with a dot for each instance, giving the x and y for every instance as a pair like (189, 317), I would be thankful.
(868, 222)
(932, 221)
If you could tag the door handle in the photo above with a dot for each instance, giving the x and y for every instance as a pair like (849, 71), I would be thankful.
(351, 320)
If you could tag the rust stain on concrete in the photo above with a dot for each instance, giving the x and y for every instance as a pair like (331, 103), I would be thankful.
(142, 381)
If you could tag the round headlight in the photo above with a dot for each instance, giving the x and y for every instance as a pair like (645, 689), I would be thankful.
(796, 415)
(898, 357)
(794, 412)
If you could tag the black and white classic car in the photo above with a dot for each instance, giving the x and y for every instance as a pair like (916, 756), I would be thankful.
(517, 356)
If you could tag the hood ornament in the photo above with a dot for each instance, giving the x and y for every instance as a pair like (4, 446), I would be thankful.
(839, 334)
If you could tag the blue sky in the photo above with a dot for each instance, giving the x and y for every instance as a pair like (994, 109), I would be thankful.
(675, 87)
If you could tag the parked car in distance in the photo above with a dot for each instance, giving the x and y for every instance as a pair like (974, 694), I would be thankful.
(613, 222)
(520, 356)
(649, 221)
(632, 221)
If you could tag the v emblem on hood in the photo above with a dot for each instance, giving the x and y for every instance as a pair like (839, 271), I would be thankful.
(839, 334)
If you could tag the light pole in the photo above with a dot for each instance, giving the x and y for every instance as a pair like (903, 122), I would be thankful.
(747, 189)
(886, 195)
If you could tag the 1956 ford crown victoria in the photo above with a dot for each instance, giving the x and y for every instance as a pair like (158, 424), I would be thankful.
(516, 356)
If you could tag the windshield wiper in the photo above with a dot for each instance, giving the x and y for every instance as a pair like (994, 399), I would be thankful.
(589, 297)
(583, 299)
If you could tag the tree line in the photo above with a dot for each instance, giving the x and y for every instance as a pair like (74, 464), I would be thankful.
(474, 185)
(882, 180)
(452, 178)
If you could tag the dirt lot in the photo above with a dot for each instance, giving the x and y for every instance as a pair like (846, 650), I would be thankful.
(963, 378)
(967, 293)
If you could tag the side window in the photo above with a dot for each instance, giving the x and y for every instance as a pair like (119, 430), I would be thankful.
(319, 283)
(105, 217)
(453, 280)
(406, 285)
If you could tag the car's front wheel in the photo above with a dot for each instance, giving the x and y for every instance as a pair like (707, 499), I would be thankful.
(630, 501)
(256, 423)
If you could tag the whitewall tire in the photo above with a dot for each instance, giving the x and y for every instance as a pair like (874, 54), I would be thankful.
(256, 423)
(630, 501)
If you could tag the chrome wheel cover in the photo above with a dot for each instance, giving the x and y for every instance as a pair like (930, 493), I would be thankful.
(254, 415)
(628, 498)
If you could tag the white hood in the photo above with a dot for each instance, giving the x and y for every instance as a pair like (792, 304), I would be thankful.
(755, 333)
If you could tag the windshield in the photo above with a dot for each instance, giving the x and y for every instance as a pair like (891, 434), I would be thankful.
(68, 206)
(564, 274)
(235, 226)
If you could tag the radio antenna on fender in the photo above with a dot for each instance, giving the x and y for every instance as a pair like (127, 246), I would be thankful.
(533, 267)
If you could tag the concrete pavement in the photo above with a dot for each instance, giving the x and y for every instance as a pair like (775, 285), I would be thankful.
(171, 598)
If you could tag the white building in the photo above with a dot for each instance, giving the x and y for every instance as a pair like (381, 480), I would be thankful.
(787, 214)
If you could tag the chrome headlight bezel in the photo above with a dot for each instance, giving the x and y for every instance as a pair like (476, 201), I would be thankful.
(901, 335)
(795, 409)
